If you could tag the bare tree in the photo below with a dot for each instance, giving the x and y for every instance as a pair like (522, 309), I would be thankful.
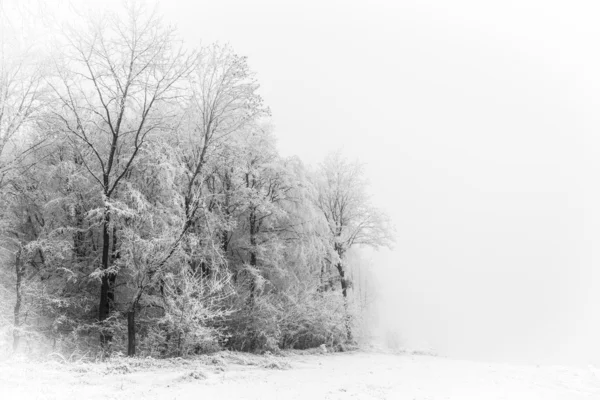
(352, 219)
(115, 84)
(224, 101)
(22, 97)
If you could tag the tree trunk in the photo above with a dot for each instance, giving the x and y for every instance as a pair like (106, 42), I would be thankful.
(343, 281)
(17, 313)
(252, 279)
(344, 284)
(224, 241)
(78, 236)
(165, 348)
(114, 256)
(104, 308)
(322, 287)
(252, 254)
(131, 333)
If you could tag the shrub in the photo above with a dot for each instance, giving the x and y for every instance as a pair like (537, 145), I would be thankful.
(299, 320)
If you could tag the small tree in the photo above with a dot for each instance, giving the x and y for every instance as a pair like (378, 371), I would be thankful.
(351, 217)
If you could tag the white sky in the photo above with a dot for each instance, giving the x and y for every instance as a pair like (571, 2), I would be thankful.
(479, 124)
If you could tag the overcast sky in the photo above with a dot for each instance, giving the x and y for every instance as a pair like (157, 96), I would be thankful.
(479, 124)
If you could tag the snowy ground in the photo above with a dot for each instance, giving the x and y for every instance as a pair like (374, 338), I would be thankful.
(353, 375)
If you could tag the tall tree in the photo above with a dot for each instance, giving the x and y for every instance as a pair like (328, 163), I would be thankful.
(223, 100)
(23, 96)
(115, 81)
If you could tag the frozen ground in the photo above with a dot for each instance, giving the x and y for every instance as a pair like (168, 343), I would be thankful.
(353, 375)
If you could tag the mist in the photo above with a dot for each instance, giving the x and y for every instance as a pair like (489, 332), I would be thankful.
(477, 127)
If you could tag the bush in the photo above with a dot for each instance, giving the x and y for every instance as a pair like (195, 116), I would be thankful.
(254, 327)
(313, 319)
(299, 320)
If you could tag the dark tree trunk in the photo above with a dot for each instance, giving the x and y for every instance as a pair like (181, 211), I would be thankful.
(321, 287)
(224, 241)
(253, 230)
(19, 270)
(252, 253)
(205, 269)
(113, 277)
(344, 284)
(78, 219)
(165, 348)
(343, 281)
(78, 236)
(104, 308)
(252, 279)
(131, 333)
(226, 209)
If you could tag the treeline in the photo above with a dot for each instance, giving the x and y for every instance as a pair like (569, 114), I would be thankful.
(144, 205)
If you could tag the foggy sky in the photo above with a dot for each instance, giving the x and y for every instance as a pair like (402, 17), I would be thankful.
(479, 125)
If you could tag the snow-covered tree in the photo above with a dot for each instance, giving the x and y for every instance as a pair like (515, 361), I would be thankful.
(115, 84)
(352, 219)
